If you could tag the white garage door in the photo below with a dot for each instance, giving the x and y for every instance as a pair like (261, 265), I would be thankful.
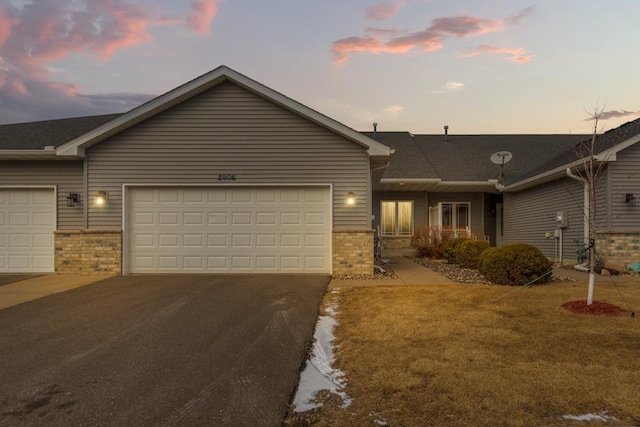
(229, 230)
(27, 222)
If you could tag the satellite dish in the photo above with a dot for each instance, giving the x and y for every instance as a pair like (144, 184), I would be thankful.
(501, 157)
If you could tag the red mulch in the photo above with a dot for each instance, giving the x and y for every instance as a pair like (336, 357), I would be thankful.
(597, 308)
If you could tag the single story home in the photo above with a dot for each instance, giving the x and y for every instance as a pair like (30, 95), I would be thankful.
(225, 175)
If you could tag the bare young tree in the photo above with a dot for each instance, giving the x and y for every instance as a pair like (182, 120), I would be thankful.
(589, 170)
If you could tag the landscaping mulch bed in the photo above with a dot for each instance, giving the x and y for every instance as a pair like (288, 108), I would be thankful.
(465, 275)
(453, 271)
(597, 308)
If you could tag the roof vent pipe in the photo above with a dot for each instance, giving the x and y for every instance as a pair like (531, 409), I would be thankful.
(446, 133)
(375, 130)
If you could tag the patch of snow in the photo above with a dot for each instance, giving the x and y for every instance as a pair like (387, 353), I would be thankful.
(318, 373)
(377, 421)
(601, 416)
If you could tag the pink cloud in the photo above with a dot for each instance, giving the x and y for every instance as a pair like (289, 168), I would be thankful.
(202, 14)
(342, 48)
(431, 39)
(518, 54)
(34, 34)
(465, 26)
(382, 11)
(6, 24)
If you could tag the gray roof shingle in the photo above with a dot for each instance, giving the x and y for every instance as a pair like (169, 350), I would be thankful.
(603, 142)
(467, 157)
(38, 135)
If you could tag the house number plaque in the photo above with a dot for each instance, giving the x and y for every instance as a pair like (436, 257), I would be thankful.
(226, 177)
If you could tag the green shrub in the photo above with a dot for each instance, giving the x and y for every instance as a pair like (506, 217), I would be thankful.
(430, 241)
(468, 252)
(516, 264)
(449, 250)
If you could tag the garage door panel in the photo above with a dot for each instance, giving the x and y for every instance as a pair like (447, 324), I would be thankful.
(42, 240)
(217, 240)
(242, 230)
(241, 218)
(265, 218)
(168, 218)
(42, 262)
(19, 262)
(217, 218)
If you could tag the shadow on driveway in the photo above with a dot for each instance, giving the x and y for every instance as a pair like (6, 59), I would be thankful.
(159, 350)
(6, 279)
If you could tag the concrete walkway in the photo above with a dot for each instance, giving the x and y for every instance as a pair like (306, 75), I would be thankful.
(42, 286)
(409, 274)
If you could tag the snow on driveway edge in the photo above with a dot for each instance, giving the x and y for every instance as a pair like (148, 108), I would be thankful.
(318, 373)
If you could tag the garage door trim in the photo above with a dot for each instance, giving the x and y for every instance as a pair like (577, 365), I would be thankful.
(126, 268)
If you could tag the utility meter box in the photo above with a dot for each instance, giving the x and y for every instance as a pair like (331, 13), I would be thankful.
(562, 220)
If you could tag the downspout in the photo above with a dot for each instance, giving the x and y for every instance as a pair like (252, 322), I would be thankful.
(592, 276)
(85, 201)
(585, 185)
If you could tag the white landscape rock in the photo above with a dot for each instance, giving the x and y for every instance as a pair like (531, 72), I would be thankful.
(601, 416)
(318, 373)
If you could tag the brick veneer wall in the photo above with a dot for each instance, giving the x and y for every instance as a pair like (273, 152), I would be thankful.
(618, 247)
(88, 252)
(353, 252)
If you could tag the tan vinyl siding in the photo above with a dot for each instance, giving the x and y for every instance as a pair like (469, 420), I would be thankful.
(625, 178)
(529, 214)
(66, 176)
(229, 130)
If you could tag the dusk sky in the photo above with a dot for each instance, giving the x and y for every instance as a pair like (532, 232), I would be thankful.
(492, 66)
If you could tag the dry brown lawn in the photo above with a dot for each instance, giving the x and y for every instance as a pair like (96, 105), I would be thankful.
(445, 356)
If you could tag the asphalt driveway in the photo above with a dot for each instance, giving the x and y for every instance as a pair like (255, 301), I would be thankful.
(155, 350)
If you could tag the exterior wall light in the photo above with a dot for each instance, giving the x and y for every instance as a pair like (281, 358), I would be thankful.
(72, 199)
(630, 198)
(351, 198)
(101, 198)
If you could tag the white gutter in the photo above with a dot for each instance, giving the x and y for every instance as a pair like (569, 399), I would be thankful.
(27, 153)
(486, 183)
(410, 180)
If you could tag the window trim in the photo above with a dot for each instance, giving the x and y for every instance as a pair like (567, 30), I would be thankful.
(396, 228)
(454, 214)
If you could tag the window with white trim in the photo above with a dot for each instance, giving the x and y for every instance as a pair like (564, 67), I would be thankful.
(396, 218)
(451, 215)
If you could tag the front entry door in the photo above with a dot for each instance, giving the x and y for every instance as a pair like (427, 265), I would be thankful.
(499, 225)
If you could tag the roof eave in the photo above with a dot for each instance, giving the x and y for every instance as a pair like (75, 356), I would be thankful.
(27, 154)
(410, 180)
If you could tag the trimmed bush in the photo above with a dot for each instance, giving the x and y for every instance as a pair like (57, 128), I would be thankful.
(516, 264)
(450, 248)
(430, 241)
(467, 253)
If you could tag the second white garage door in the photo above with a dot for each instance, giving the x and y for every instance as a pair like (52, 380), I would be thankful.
(229, 230)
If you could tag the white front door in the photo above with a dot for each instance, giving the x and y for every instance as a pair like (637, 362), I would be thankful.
(27, 223)
(229, 230)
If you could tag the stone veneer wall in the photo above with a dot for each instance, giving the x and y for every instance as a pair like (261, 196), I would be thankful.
(88, 252)
(353, 252)
(618, 247)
